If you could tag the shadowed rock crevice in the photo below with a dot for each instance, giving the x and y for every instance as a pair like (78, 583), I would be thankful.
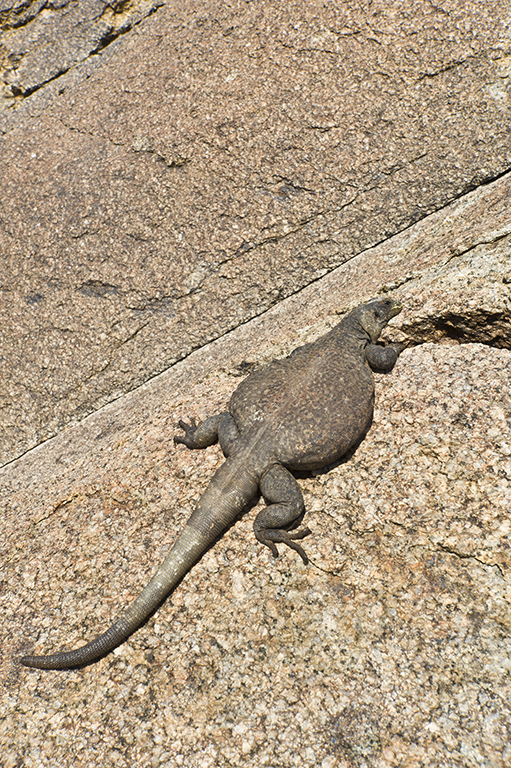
(490, 328)
(464, 299)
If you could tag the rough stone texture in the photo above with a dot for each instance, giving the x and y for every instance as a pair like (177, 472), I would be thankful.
(473, 291)
(211, 161)
(162, 191)
(42, 40)
(391, 649)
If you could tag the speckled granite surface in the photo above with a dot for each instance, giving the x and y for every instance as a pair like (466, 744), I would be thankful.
(142, 220)
(390, 649)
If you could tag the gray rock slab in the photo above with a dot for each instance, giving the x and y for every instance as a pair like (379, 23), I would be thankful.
(42, 40)
(390, 649)
(210, 162)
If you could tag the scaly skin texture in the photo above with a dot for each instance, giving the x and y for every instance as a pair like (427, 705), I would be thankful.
(302, 412)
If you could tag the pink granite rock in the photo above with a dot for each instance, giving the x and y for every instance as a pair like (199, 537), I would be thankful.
(392, 648)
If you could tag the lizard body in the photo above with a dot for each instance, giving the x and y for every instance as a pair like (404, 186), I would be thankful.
(299, 413)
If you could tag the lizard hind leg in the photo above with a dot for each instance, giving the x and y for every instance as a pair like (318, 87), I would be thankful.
(273, 525)
(220, 427)
(227, 433)
(199, 436)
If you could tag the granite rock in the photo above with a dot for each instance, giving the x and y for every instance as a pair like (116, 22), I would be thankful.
(43, 39)
(390, 649)
(165, 187)
(247, 172)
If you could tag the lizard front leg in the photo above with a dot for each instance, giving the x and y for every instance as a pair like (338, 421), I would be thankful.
(383, 358)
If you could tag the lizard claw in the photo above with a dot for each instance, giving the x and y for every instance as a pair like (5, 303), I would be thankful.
(188, 438)
(269, 537)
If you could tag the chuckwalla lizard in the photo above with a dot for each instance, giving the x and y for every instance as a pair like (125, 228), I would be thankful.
(302, 412)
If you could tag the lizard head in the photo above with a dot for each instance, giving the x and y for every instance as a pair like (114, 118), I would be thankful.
(374, 316)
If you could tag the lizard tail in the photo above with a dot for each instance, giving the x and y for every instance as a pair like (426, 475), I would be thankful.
(188, 548)
(216, 510)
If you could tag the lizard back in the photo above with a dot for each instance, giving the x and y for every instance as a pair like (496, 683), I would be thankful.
(316, 403)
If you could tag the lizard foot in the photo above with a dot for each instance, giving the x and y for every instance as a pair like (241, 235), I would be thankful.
(188, 438)
(270, 537)
(203, 434)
